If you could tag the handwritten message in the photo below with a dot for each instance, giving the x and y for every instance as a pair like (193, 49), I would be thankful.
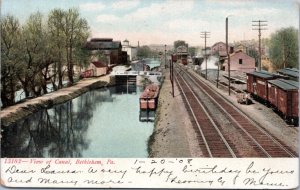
(246, 173)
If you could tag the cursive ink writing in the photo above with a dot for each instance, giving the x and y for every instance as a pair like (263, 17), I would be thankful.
(14, 170)
(253, 182)
(12, 180)
(123, 172)
(177, 180)
(153, 171)
(253, 171)
(54, 181)
(102, 182)
(47, 170)
(210, 170)
(110, 171)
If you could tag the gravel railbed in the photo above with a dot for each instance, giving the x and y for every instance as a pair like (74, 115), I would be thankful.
(260, 113)
(173, 134)
(236, 139)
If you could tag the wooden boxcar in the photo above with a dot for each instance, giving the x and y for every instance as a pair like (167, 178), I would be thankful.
(283, 96)
(257, 84)
(290, 73)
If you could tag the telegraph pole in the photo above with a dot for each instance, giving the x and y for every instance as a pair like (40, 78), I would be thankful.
(227, 52)
(259, 24)
(205, 35)
(165, 56)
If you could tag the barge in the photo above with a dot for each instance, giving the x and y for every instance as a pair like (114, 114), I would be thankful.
(149, 98)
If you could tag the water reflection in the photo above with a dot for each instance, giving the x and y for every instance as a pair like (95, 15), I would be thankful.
(92, 125)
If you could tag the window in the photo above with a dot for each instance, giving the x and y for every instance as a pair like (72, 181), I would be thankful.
(240, 61)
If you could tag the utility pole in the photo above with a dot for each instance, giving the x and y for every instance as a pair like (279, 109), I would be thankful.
(260, 26)
(172, 72)
(171, 75)
(205, 35)
(218, 71)
(165, 56)
(227, 52)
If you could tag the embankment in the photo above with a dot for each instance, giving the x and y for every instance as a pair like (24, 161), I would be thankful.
(173, 134)
(19, 111)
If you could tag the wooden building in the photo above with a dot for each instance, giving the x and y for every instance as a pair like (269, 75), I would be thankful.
(98, 68)
(111, 49)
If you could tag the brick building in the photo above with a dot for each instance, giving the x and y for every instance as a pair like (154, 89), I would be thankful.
(240, 61)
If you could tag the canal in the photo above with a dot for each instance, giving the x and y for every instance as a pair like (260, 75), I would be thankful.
(100, 123)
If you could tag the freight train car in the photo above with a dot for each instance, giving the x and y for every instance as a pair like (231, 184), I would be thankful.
(184, 61)
(291, 73)
(283, 97)
(257, 84)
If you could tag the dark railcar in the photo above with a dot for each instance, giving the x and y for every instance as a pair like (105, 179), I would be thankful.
(257, 84)
(184, 61)
(290, 73)
(272, 93)
(283, 96)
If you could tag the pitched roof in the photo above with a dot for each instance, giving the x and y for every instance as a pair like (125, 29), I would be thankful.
(262, 74)
(291, 82)
(101, 40)
(99, 64)
(285, 84)
(290, 72)
(103, 45)
(218, 43)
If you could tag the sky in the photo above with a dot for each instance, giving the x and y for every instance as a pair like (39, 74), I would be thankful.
(165, 21)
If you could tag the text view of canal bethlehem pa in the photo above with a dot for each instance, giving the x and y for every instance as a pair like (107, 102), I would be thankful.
(201, 79)
(100, 123)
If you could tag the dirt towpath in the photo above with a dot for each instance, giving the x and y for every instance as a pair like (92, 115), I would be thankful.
(16, 112)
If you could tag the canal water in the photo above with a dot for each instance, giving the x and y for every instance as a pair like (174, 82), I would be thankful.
(100, 123)
(153, 63)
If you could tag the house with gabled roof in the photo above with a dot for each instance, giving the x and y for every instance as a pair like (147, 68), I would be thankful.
(97, 68)
(219, 49)
(240, 61)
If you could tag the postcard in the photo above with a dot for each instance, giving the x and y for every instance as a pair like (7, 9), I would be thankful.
(150, 94)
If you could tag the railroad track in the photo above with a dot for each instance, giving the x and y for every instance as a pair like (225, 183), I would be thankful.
(214, 142)
(265, 144)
